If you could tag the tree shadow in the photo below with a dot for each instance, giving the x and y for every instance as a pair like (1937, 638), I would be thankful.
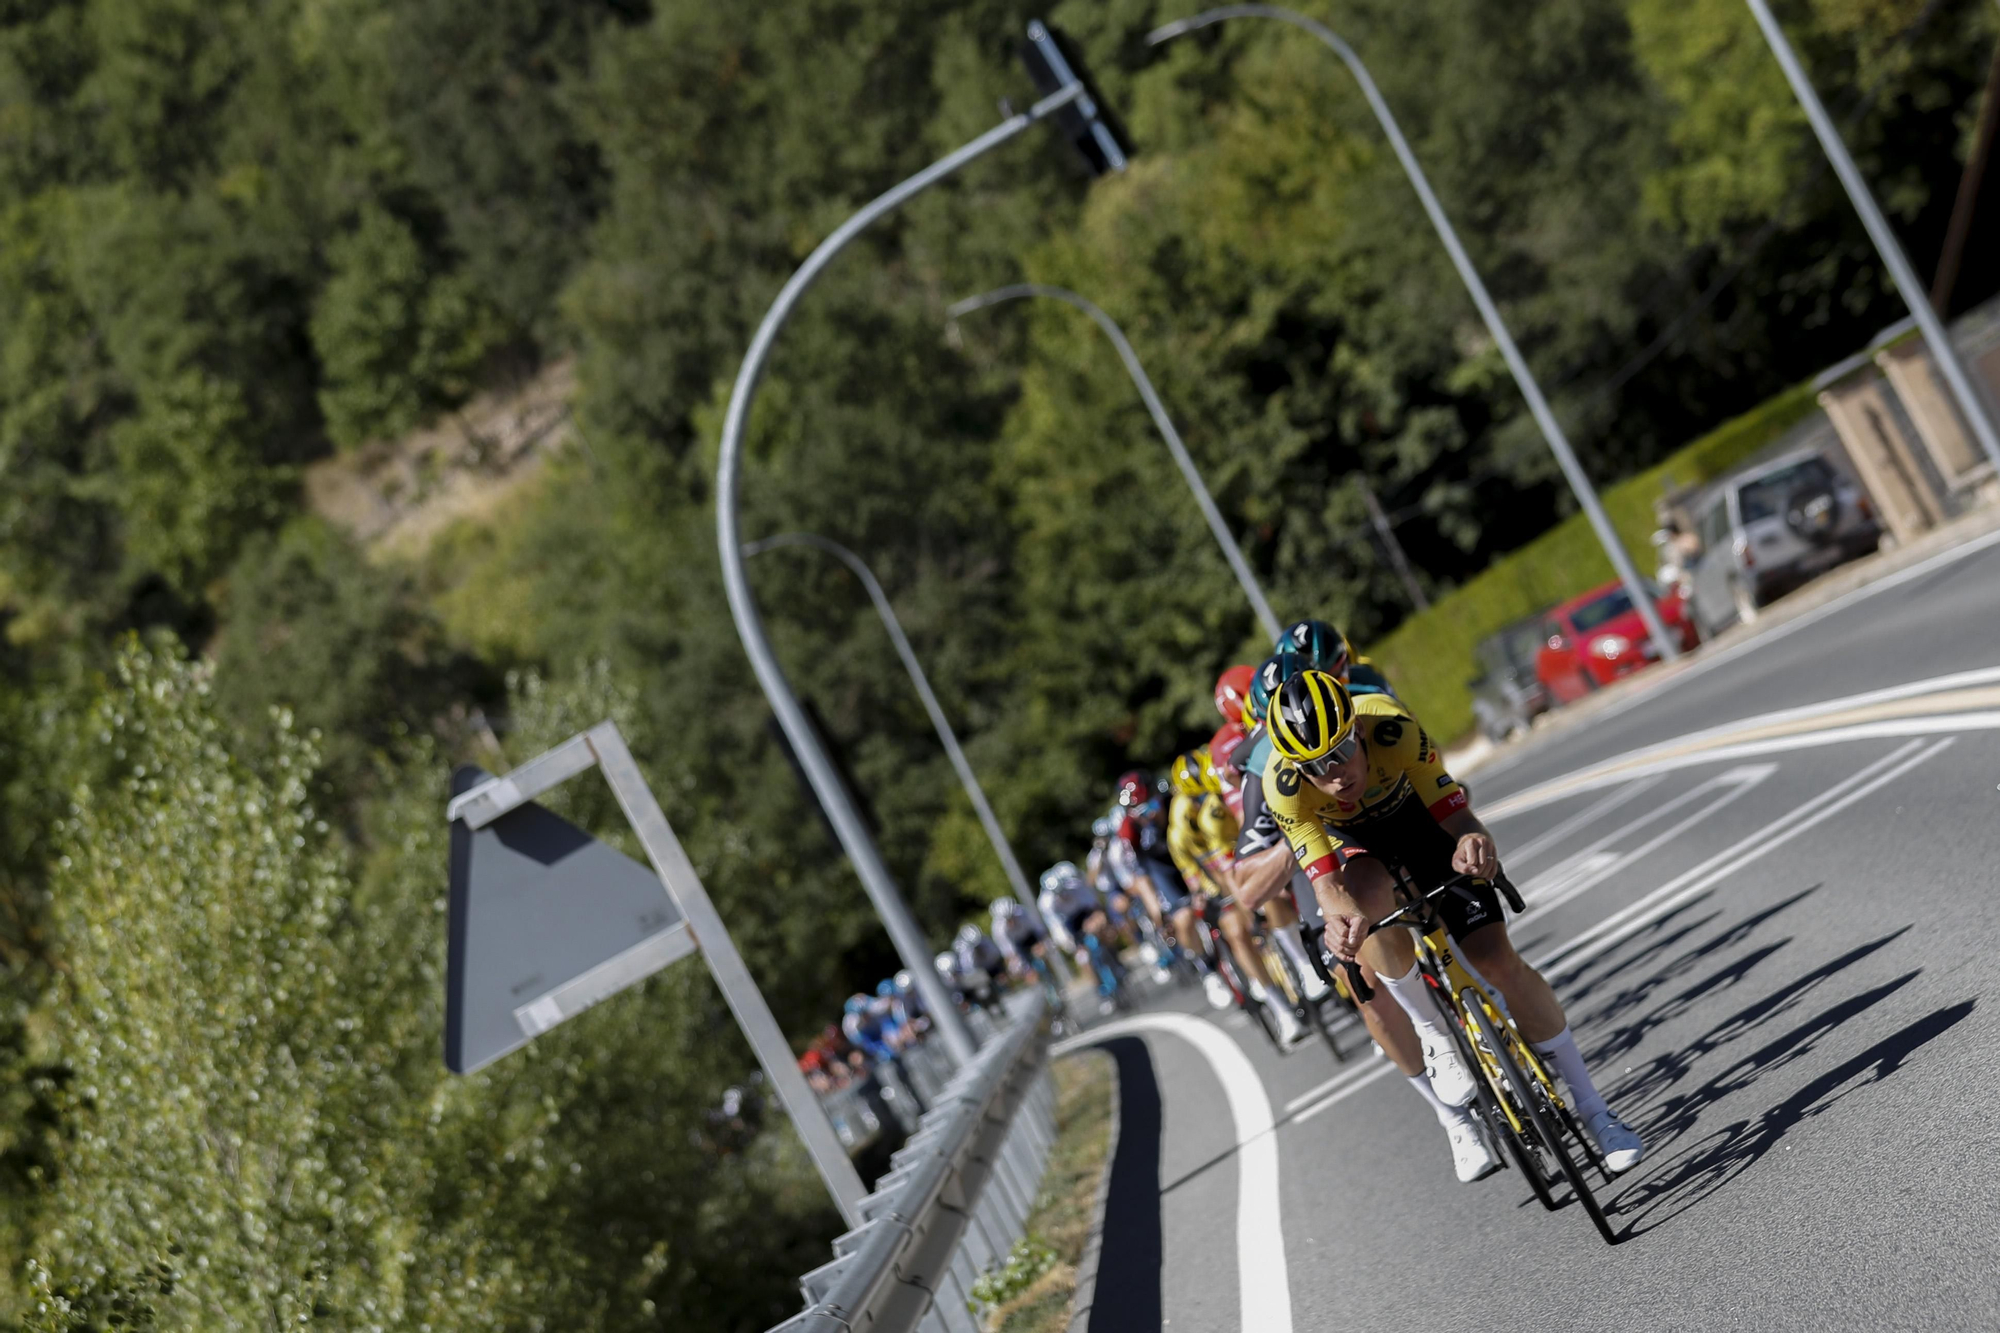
(1126, 1297)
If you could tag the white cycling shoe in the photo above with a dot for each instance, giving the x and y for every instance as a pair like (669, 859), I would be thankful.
(1470, 1156)
(1218, 992)
(1450, 1079)
(1619, 1145)
(1316, 990)
(1290, 1031)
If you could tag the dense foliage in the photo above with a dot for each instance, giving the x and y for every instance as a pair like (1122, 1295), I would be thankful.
(238, 238)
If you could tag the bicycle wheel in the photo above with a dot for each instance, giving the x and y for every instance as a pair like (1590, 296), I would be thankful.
(1544, 1119)
(1499, 1128)
(1225, 963)
(1279, 964)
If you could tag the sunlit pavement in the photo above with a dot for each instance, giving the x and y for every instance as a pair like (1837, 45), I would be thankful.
(1776, 946)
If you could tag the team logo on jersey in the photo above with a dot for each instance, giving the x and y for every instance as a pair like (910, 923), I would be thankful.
(1288, 781)
(1388, 732)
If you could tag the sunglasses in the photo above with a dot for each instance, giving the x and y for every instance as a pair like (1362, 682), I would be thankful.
(1337, 757)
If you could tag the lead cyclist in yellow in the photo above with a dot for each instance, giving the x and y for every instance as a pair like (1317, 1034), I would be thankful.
(1356, 779)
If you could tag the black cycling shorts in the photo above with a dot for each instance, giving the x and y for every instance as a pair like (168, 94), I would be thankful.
(1074, 918)
(1467, 908)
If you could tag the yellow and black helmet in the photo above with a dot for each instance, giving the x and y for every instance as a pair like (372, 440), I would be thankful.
(1311, 720)
(1187, 774)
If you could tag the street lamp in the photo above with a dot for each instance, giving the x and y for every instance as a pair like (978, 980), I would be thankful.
(977, 794)
(1223, 538)
(1579, 484)
(1071, 90)
(1886, 245)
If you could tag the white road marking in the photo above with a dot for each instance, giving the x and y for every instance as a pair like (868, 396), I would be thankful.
(1587, 816)
(1636, 764)
(1593, 865)
(1383, 1069)
(1262, 1278)
(1341, 1079)
(1764, 640)
(1622, 924)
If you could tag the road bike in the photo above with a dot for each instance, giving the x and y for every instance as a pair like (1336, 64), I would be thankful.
(1291, 987)
(1518, 1102)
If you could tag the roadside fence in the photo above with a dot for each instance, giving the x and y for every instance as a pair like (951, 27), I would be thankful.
(954, 1201)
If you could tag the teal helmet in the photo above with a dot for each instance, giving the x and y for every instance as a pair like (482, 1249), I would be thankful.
(1323, 647)
(1276, 670)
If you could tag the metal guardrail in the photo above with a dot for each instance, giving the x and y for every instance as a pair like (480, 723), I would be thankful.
(955, 1200)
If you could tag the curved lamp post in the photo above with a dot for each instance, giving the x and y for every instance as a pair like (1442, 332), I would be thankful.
(1936, 337)
(1230, 551)
(876, 880)
(976, 793)
(1579, 484)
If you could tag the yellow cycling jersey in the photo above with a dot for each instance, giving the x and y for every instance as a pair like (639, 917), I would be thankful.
(1218, 829)
(1193, 841)
(1396, 815)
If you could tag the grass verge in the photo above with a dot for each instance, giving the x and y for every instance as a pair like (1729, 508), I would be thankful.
(1059, 1224)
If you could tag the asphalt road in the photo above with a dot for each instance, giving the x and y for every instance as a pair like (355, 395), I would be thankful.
(1777, 948)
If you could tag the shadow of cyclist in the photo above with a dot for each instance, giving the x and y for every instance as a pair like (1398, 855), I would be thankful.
(1679, 1182)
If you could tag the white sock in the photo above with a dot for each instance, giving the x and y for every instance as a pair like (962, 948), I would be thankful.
(1288, 940)
(1448, 1116)
(1562, 1053)
(1414, 994)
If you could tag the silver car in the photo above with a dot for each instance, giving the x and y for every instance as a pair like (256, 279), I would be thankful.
(1771, 528)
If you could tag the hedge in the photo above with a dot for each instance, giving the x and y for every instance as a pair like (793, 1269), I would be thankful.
(1430, 655)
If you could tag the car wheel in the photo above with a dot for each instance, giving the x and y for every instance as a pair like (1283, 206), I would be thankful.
(1746, 603)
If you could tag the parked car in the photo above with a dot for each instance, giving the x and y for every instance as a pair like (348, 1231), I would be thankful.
(1594, 639)
(1768, 529)
(1506, 696)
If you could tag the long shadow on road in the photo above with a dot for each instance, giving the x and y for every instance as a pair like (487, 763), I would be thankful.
(1653, 988)
(1127, 1295)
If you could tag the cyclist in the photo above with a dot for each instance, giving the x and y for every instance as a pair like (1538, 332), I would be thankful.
(1357, 779)
(1267, 872)
(1143, 830)
(1202, 834)
(976, 967)
(1019, 938)
(1076, 916)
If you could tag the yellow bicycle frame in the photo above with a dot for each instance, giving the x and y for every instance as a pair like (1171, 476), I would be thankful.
(1436, 946)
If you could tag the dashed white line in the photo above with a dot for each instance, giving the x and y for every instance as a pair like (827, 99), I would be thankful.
(1622, 924)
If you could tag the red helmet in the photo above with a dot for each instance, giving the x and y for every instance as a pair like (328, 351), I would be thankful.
(1232, 691)
(1223, 744)
(1134, 789)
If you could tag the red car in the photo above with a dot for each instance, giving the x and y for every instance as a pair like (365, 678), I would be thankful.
(1594, 639)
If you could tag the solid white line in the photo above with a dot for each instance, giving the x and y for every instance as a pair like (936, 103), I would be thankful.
(1621, 925)
(1963, 551)
(1382, 1070)
(1263, 1281)
(1887, 729)
(1589, 815)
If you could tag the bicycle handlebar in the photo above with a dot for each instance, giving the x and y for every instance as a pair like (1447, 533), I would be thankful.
(1362, 991)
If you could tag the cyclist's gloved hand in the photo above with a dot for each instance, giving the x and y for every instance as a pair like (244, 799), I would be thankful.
(1476, 856)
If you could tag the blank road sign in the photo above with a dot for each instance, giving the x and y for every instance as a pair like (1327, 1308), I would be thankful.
(545, 921)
